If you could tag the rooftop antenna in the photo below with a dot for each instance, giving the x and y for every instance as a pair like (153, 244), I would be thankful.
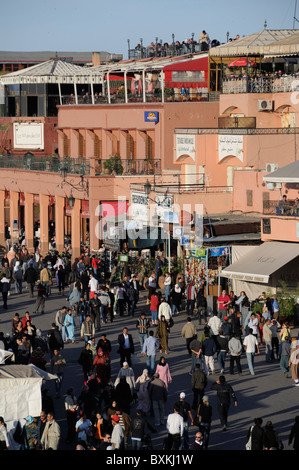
(265, 24)
(295, 19)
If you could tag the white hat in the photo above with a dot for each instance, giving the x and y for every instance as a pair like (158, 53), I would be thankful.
(182, 395)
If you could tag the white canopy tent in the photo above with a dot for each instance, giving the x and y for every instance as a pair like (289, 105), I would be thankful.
(260, 263)
(20, 390)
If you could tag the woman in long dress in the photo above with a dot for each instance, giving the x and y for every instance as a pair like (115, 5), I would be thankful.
(162, 332)
(143, 398)
(69, 323)
(163, 370)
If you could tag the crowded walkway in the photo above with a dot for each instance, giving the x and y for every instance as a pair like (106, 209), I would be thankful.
(93, 337)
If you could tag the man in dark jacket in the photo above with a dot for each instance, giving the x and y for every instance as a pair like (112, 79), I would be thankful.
(201, 304)
(225, 393)
(86, 361)
(30, 277)
(95, 310)
(132, 299)
(198, 384)
(126, 347)
(257, 435)
(208, 351)
(138, 428)
(54, 338)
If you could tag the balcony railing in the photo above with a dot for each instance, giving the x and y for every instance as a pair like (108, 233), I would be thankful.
(165, 50)
(130, 167)
(116, 98)
(283, 84)
(30, 162)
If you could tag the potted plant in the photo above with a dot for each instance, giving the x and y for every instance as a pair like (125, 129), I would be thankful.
(114, 165)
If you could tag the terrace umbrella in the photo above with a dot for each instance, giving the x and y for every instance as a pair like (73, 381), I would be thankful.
(242, 62)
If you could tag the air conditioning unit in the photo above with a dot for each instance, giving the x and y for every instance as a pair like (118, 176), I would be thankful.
(270, 167)
(265, 105)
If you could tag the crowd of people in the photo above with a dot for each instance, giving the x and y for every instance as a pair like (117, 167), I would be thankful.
(190, 45)
(123, 411)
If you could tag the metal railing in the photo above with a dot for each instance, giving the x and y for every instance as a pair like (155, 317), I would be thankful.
(283, 84)
(130, 167)
(164, 50)
(169, 96)
(78, 166)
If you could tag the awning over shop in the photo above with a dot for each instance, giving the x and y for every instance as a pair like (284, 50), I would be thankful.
(146, 238)
(287, 174)
(260, 263)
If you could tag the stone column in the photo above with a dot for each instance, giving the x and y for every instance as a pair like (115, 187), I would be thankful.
(94, 224)
(76, 229)
(2, 220)
(14, 216)
(29, 225)
(44, 223)
(59, 223)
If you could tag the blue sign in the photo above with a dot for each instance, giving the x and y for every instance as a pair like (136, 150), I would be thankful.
(151, 116)
(219, 251)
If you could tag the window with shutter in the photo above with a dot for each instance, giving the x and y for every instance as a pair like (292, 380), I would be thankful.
(66, 146)
(131, 147)
(149, 148)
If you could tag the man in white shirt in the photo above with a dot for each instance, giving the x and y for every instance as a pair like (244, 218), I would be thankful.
(214, 324)
(164, 309)
(251, 347)
(117, 436)
(175, 429)
(152, 285)
(93, 285)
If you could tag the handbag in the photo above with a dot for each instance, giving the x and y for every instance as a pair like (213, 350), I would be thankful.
(197, 420)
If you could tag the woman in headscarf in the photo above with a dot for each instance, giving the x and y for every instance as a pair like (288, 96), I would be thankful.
(162, 332)
(123, 395)
(163, 370)
(18, 277)
(143, 398)
(101, 364)
(30, 434)
(128, 373)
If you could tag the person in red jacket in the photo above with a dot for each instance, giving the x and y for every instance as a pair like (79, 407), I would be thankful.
(154, 306)
(223, 302)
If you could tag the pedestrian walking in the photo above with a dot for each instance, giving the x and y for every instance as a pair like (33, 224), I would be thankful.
(164, 372)
(284, 352)
(158, 396)
(57, 365)
(235, 351)
(41, 297)
(225, 394)
(189, 332)
(142, 326)
(149, 350)
(126, 346)
(69, 324)
(175, 429)
(198, 384)
(251, 346)
(203, 419)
